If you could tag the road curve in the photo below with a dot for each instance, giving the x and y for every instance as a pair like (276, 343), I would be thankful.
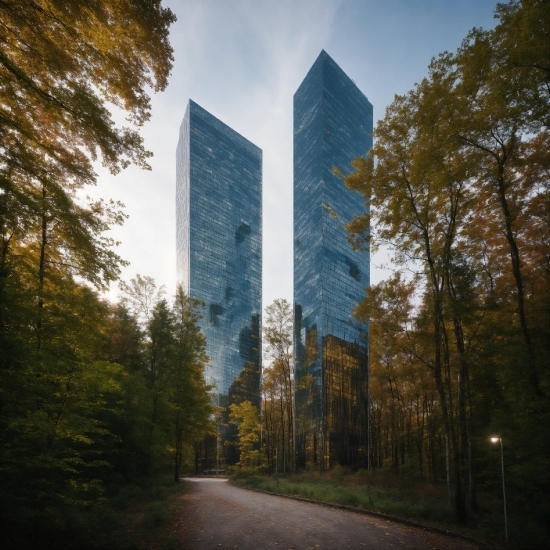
(218, 515)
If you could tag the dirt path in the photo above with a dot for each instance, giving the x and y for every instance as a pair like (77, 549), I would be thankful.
(219, 515)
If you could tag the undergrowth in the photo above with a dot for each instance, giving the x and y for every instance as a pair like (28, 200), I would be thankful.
(135, 517)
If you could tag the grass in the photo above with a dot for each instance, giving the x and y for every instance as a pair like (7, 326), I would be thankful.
(386, 492)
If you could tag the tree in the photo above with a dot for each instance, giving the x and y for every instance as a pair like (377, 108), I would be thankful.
(60, 408)
(245, 417)
(72, 389)
(62, 66)
(491, 124)
(141, 295)
(161, 359)
(65, 63)
(173, 358)
(192, 408)
(278, 382)
(418, 193)
(521, 44)
(457, 183)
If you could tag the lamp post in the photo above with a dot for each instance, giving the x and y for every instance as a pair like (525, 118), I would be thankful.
(494, 440)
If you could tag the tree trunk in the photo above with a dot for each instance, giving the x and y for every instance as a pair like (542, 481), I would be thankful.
(179, 449)
(41, 270)
(454, 484)
(470, 425)
(516, 270)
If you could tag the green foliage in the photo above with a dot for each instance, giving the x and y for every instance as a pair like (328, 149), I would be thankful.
(93, 395)
(95, 405)
(140, 513)
(67, 63)
(351, 490)
(388, 491)
(245, 417)
(457, 184)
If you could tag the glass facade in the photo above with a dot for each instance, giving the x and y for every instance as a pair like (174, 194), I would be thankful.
(219, 257)
(332, 126)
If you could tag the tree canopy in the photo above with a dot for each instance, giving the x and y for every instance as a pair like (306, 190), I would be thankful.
(457, 183)
(93, 395)
(64, 66)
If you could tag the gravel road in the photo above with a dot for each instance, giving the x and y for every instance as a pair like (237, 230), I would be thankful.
(218, 515)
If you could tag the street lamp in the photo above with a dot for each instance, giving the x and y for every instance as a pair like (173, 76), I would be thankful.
(495, 440)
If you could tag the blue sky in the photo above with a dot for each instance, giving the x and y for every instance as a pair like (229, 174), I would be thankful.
(242, 60)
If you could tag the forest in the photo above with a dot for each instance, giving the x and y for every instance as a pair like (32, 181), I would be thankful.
(457, 188)
(94, 395)
(457, 192)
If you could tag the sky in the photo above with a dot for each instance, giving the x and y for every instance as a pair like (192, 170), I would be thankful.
(243, 60)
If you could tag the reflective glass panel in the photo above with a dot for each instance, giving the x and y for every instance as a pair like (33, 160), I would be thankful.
(332, 126)
(219, 253)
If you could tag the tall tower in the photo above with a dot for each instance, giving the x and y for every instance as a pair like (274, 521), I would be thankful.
(332, 126)
(219, 256)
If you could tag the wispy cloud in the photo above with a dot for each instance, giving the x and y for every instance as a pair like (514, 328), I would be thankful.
(251, 59)
(242, 60)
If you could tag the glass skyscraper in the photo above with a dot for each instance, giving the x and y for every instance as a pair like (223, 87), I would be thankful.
(219, 257)
(332, 126)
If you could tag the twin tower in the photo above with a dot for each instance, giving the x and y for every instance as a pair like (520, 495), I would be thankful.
(219, 261)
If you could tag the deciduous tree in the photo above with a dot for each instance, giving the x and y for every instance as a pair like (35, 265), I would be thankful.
(278, 383)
